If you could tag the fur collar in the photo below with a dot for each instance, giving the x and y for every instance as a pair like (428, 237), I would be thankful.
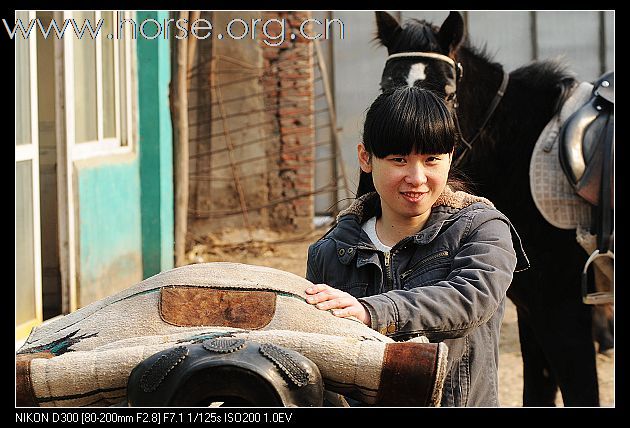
(449, 198)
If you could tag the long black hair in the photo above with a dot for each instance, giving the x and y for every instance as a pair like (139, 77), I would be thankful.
(406, 119)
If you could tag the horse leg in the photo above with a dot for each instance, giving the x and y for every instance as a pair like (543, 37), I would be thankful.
(566, 339)
(539, 386)
(603, 315)
(576, 375)
(557, 334)
(558, 351)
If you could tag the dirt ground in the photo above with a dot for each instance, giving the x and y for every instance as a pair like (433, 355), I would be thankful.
(289, 254)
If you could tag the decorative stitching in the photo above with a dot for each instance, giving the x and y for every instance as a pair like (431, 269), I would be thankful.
(154, 375)
(223, 346)
(466, 361)
(199, 338)
(285, 363)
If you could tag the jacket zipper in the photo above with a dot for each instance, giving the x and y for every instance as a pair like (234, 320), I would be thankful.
(423, 261)
(388, 272)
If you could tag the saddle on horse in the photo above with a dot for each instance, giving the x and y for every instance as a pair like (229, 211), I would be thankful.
(586, 155)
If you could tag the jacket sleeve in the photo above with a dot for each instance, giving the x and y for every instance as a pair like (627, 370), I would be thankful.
(482, 271)
(312, 269)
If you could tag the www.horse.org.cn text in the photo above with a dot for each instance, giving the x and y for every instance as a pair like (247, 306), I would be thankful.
(272, 31)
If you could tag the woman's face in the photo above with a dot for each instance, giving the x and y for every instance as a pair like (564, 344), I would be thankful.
(407, 184)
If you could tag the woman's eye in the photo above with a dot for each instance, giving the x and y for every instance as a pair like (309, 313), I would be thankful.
(398, 160)
(433, 159)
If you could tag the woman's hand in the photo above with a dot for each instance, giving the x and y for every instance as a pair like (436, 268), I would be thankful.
(343, 305)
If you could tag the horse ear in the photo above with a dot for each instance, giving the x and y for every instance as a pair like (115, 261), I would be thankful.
(387, 27)
(451, 33)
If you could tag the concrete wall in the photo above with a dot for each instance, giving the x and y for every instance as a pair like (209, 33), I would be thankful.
(357, 66)
(325, 167)
(236, 122)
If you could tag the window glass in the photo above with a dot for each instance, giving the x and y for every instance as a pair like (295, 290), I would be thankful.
(108, 77)
(85, 123)
(24, 250)
(22, 85)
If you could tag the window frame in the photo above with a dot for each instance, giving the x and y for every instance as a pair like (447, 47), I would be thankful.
(121, 144)
(25, 153)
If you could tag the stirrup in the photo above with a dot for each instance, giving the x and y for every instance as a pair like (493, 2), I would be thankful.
(599, 297)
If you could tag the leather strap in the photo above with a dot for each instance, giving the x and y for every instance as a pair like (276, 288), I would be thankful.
(605, 212)
(493, 106)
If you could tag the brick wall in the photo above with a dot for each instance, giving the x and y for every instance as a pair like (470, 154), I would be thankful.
(288, 86)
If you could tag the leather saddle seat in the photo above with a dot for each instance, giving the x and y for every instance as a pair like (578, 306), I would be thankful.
(586, 142)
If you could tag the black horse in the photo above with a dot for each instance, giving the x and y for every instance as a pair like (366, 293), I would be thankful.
(554, 324)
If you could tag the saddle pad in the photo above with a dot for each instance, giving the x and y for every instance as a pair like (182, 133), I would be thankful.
(85, 357)
(552, 193)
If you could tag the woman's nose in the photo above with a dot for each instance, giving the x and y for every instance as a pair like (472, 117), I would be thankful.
(415, 175)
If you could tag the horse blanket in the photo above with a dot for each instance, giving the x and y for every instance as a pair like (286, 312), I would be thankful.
(553, 195)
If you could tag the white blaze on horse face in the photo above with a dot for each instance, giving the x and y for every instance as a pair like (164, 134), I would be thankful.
(416, 72)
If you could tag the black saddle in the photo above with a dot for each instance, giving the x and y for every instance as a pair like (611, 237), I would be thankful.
(234, 372)
(586, 141)
(587, 158)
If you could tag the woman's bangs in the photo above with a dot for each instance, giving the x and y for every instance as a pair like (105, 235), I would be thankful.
(410, 121)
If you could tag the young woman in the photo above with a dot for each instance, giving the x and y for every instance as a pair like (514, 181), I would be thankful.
(414, 256)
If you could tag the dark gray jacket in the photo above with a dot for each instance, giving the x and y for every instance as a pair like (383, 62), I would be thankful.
(446, 282)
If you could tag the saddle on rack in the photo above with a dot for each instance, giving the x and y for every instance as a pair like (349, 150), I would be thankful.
(221, 332)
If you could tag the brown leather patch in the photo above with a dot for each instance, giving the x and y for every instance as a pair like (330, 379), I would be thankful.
(24, 394)
(408, 375)
(200, 306)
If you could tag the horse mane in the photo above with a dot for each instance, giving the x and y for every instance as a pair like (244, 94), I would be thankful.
(551, 75)
(481, 52)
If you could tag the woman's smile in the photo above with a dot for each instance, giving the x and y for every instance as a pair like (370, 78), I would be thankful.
(414, 197)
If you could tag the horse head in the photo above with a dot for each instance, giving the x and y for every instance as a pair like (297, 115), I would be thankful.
(421, 54)
(424, 55)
